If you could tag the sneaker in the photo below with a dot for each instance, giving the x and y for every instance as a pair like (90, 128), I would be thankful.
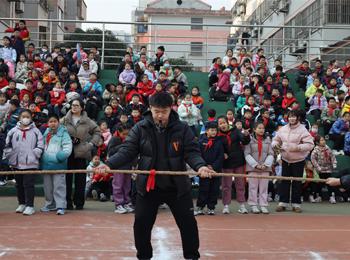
(335, 152)
(12, 182)
(341, 152)
(44, 209)
(129, 208)
(302, 199)
(211, 212)
(28, 211)
(269, 197)
(311, 199)
(120, 210)
(3, 183)
(103, 197)
(332, 199)
(255, 210)
(277, 198)
(297, 209)
(20, 208)
(60, 212)
(318, 199)
(242, 209)
(94, 194)
(199, 211)
(226, 210)
(264, 210)
(280, 208)
(163, 206)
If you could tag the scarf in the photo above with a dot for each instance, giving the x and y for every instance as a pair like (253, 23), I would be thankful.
(252, 109)
(48, 138)
(211, 119)
(116, 134)
(167, 72)
(278, 76)
(136, 119)
(247, 124)
(265, 121)
(209, 144)
(242, 88)
(24, 135)
(260, 143)
(326, 155)
(330, 111)
(227, 135)
(187, 106)
(319, 102)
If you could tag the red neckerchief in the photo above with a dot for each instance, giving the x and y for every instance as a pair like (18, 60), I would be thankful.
(247, 123)
(259, 139)
(227, 135)
(256, 87)
(48, 138)
(136, 118)
(278, 76)
(24, 135)
(246, 99)
(187, 106)
(265, 121)
(210, 119)
(154, 75)
(330, 111)
(326, 155)
(252, 109)
(284, 89)
(340, 103)
(92, 84)
(261, 96)
(209, 144)
(167, 72)
(242, 88)
(116, 134)
(319, 101)
(268, 87)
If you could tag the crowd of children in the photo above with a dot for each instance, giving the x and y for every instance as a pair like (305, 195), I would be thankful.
(52, 103)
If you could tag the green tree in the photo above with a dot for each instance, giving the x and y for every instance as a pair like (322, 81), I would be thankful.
(114, 48)
(181, 62)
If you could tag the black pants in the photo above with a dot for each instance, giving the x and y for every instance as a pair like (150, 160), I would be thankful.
(208, 192)
(182, 210)
(79, 182)
(291, 170)
(102, 187)
(329, 188)
(25, 188)
(338, 141)
(327, 126)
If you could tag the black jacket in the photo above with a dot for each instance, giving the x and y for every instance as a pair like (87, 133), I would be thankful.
(213, 156)
(345, 179)
(235, 151)
(141, 143)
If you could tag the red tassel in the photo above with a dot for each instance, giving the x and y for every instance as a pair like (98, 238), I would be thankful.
(151, 180)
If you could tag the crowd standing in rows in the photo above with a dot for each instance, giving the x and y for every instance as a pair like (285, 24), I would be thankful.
(56, 115)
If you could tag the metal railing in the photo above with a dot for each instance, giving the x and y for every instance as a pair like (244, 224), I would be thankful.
(291, 44)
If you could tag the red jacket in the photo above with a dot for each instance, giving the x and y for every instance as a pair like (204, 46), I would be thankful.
(287, 102)
(24, 33)
(26, 91)
(38, 64)
(128, 96)
(57, 96)
(145, 89)
(3, 83)
(100, 177)
(346, 71)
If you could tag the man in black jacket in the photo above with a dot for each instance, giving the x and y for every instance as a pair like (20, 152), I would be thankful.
(343, 181)
(163, 142)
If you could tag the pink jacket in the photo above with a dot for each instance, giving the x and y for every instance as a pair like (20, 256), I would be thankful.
(224, 81)
(295, 141)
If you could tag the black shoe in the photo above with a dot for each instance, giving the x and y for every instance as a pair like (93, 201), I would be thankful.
(69, 207)
(79, 207)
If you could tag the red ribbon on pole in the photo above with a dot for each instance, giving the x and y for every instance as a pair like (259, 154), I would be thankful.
(151, 180)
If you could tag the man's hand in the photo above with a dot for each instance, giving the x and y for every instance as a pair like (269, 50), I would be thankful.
(102, 170)
(205, 172)
(333, 182)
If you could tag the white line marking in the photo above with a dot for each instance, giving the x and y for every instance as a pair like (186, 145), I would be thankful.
(2, 254)
(85, 227)
(260, 252)
(316, 256)
(161, 236)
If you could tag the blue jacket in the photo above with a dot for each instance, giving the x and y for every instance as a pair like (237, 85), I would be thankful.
(12, 119)
(347, 142)
(58, 150)
(338, 127)
(213, 156)
(97, 87)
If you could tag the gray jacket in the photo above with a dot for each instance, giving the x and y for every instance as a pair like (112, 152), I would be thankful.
(86, 130)
(251, 154)
(24, 147)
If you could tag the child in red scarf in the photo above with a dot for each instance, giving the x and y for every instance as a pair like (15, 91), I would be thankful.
(330, 115)
(288, 100)
(212, 150)
(259, 156)
(121, 182)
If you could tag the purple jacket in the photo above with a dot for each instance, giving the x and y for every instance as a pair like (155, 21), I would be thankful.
(127, 77)
(314, 104)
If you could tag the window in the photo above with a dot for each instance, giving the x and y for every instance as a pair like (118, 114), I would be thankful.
(196, 48)
(337, 11)
(198, 21)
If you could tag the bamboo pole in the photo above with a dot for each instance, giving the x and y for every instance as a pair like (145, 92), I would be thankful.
(173, 173)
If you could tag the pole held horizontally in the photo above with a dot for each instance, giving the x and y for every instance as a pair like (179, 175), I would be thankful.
(173, 173)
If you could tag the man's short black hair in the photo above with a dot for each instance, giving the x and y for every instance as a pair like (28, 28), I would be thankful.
(14, 102)
(212, 124)
(161, 100)
(161, 48)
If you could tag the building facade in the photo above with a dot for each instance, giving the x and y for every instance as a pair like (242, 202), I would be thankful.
(293, 45)
(198, 44)
(44, 9)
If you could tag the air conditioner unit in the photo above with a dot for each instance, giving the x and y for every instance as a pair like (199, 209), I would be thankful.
(285, 7)
(19, 7)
